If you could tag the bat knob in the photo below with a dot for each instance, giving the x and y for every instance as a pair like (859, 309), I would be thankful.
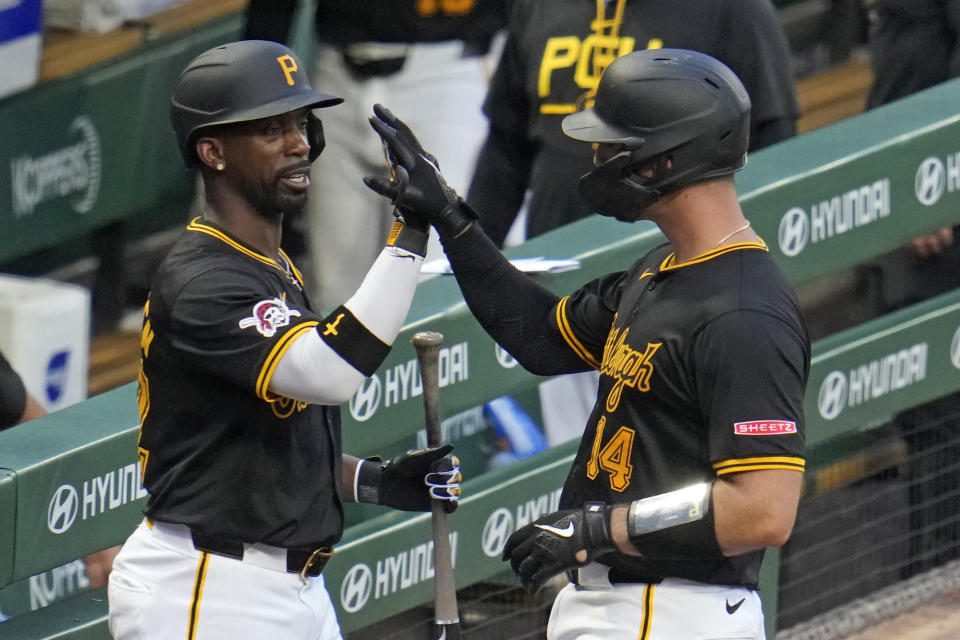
(427, 339)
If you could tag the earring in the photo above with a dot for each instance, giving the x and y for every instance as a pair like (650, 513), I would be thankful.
(220, 166)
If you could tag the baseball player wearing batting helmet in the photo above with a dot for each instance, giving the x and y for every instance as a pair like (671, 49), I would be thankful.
(240, 378)
(692, 458)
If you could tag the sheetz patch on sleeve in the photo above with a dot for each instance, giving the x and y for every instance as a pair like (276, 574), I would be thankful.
(764, 428)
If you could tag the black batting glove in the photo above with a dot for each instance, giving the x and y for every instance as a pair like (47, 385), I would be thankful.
(416, 186)
(410, 482)
(548, 546)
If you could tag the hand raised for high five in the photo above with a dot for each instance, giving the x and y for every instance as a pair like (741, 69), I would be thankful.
(416, 185)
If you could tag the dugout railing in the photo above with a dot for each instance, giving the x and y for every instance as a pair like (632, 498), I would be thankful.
(825, 202)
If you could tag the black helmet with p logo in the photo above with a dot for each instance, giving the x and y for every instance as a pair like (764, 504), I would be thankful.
(238, 82)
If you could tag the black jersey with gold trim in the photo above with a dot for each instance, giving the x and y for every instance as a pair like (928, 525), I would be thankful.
(703, 366)
(219, 452)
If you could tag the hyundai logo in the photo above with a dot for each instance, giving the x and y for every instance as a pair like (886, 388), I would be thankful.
(794, 232)
(356, 587)
(366, 400)
(497, 529)
(929, 182)
(833, 395)
(63, 509)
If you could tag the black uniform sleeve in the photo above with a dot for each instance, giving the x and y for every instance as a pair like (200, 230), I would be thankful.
(13, 395)
(585, 317)
(232, 325)
(269, 20)
(758, 53)
(750, 372)
(502, 174)
(518, 313)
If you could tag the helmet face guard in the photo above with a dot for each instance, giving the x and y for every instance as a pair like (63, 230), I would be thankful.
(239, 82)
(681, 113)
(614, 189)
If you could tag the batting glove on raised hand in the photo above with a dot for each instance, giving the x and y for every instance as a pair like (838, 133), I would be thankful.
(412, 480)
(416, 187)
(550, 545)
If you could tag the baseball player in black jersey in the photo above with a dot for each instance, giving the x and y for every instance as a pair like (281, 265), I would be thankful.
(554, 55)
(240, 439)
(691, 461)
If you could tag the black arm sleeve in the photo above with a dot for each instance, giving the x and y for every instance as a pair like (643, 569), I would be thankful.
(269, 20)
(516, 311)
(13, 395)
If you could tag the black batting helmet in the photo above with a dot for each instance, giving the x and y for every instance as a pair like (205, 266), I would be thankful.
(241, 81)
(681, 116)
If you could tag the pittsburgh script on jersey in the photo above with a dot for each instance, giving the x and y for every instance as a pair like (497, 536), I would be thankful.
(631, 368)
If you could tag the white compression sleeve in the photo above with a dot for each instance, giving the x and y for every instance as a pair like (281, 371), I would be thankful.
(311, 371)
(383, 299)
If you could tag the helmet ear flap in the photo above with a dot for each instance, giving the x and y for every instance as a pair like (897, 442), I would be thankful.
(315, 136)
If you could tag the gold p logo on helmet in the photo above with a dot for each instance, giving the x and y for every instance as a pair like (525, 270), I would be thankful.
(289, 65)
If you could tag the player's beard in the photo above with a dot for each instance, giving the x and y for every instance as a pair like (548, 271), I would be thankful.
(272, 201)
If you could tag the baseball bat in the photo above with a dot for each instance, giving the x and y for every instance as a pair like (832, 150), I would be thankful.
(427, 344)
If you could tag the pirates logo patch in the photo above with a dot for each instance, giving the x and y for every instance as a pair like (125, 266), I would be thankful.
(268, 316)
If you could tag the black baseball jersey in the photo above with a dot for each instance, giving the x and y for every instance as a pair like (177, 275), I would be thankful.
(702, 366)
(13, 395)
(219, 452)
(554, 55)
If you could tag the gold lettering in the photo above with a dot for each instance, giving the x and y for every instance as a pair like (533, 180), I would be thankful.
(559, 53)
(289, 65)
(629, 367)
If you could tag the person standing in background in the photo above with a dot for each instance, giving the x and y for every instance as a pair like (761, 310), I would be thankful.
(914, 45)
(552, 60)
(428, 57)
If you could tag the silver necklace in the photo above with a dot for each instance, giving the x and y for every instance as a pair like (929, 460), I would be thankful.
(287, 269)
(731, 234)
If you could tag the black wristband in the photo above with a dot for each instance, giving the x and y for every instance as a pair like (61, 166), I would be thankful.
(368, 480)
(403, 236)
(697, 538)
(596, 522)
